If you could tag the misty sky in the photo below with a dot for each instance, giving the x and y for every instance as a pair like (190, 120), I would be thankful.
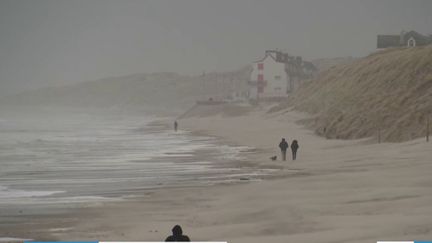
(46, 42)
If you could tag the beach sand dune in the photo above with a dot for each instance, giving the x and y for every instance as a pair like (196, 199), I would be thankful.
(388, 90)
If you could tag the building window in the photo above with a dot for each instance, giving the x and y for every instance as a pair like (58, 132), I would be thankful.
(277, 77)
(260, 77)
(260, 66)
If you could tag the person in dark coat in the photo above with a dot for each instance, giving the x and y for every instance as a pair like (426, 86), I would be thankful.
(177, 235)
(283, 145)
(175, 126)
(294, 147)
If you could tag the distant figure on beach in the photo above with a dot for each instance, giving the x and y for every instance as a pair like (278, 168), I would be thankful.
(294, 147)
(177, 235)
(283, 145)
(175, 125)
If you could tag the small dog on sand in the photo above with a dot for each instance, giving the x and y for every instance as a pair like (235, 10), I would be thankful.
(273, 158)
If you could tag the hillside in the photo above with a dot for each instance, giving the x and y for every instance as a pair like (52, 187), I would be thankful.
(168, 91)
(388, 92)
(324, 64)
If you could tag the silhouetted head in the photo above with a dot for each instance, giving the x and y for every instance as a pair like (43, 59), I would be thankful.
(294, 141)
(283, 139)
(177, 230)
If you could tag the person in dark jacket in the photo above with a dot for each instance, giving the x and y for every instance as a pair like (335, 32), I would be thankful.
(283, 145)
(177, 235)
(294, 147)
(175, 126)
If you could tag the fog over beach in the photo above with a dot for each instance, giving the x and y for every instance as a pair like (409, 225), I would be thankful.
(122, 119)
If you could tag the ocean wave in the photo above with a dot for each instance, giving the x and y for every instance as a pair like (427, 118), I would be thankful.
(7, 193)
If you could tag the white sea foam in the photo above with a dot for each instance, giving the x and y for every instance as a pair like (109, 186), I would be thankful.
(64, 229)
(232, 152)
(57, 200)
(7, 193)
(91, 158)
(10, 239)
(80, 199)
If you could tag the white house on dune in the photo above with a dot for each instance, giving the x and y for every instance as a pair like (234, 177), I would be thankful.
(278, 74)
(268, 77)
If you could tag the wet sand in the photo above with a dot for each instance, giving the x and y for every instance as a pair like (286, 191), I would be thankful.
(337, 191)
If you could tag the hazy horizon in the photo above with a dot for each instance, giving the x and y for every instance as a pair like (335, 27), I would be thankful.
(51, 42)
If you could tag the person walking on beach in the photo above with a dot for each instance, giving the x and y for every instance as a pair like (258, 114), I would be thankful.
(175, 125)
(294, 147)
(177, 235)
(283, 145)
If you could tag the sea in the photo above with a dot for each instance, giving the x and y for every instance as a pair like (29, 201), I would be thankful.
(64, 158)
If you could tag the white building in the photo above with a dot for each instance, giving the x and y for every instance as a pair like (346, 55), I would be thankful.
(269, 78)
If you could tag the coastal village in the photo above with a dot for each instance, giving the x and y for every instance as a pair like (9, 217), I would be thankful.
(277, 74)
(271, 78)
(276, 78)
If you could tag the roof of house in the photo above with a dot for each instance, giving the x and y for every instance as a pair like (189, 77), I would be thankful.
(419, 38)
(265, 56)
(384, 41)
(309, 66)
(276, 55)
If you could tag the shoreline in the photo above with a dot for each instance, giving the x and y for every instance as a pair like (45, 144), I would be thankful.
(43, 219)
(336, 191)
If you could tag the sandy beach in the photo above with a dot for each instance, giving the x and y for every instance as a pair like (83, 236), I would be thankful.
(337, 191)
(122, 119)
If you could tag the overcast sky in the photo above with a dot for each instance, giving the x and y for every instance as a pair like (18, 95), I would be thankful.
(45, 42)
